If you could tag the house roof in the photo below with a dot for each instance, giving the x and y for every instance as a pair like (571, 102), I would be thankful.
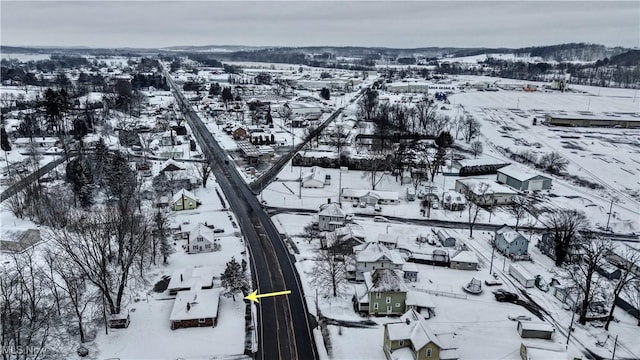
(519, 173)
(388, 238)
(414, 327)
(331, 209)
(473, 186)
(171, 165)
(385, 280)
(504, 228)
(186, 193)
(536, 326)
(511, 236)
(192, 278)
(201, 230)
(465, 256)
(202, 304)
(358, 193)
(316, 174)
(375, 251)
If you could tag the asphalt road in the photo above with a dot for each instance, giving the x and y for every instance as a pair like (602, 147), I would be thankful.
(284, 330)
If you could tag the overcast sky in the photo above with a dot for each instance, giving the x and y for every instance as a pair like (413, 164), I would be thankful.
(267, 23)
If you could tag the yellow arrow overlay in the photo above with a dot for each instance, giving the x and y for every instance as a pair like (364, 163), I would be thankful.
(254, 295)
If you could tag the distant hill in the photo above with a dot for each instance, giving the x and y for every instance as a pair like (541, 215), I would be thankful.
(571, 52)
(628, 58)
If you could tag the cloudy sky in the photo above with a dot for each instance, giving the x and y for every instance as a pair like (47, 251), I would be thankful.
(300, 23)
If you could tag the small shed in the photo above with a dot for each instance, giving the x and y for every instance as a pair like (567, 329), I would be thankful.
(522, 179)
(410, 272)
(535, 329)
(446, 239)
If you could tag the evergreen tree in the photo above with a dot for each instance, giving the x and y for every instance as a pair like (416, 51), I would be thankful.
(4, 140)
(233, 279)
(325, 93)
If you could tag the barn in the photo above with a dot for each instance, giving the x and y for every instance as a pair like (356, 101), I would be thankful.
(521, 179)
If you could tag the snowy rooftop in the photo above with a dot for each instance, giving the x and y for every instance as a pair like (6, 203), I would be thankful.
(186, 193)
(191, 278)
(331, 209)
(202, 230)
(473, 184)
(518, 172)
(511, 236)
(465, 256)
(385, 280)
(480, 161)
(374, 251)
(421, 299)
(536, 326)
(414, 327)
(622, 117)
(202, 304)
(357, 193)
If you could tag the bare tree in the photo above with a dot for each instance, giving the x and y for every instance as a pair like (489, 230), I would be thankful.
(470, 128)
(479, 195)
(632, 292)
(518, 208)
(553, 162)
(630, 257)
(476, 148)
(329, 272)
(309, 233)
(379, 162)
(581, 274)
(564, 225)
(104, 245)
(25, 314)
(203, 171)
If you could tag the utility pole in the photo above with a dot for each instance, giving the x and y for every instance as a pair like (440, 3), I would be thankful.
(615, 344)
(609, 217)
(573, 315)
(493, 250)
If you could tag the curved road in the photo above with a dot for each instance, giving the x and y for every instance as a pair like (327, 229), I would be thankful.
(284, 324)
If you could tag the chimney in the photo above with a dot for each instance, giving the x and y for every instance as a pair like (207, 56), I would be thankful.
(181, 280)
(188, 307)
(328, 200)
(407, 320)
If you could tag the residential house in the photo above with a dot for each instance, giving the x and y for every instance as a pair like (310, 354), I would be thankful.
(535, 329)
(201, 239)
(330, 217)
(239, 133)
(446, 239)
(410, 272)
(388, 240)
(438, 257)
(485, 192)
(413, 338)
(542, 351)
(387, 292)
(522, 179)
(372, 256)
(343, 239)
(369, 197)
(510, 242)
(195, 278)
(171, 165)
(464, 260)
(625, 256)
(184, 200)
(453, 201)
(547, 246)
(315, 178)
(197, 308)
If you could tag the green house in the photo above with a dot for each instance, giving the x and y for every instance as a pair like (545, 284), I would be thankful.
(412, 337)
(184, 200)
(387, 292)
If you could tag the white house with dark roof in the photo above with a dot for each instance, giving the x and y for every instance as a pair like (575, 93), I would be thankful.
(522, 179)
(511, 242)
(413, 338)
(373, 256)
(197, 308)
(330, 217)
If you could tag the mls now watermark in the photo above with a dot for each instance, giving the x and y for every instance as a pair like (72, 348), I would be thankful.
(19, 350)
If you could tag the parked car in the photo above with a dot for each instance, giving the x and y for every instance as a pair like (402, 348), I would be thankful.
(363, 204)
(380, 219)
(505, 296)
(377, 208)
(519, 318)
